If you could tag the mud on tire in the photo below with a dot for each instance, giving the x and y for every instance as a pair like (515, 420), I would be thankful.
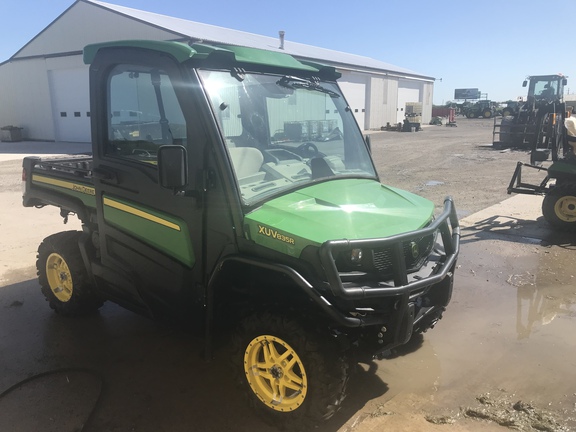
(63, 277)
(294, 373)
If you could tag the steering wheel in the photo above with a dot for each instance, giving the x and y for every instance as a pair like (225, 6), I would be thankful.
(308, 150)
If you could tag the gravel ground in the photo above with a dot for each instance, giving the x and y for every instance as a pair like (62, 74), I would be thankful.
(440, 161)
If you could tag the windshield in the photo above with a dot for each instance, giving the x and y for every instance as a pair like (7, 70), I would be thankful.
(544, 88)
(283, 132)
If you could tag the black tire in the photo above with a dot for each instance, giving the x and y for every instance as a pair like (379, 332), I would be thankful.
(559, 207)
(63, 277)
(471, 115)
(307, 365)
(487, 114)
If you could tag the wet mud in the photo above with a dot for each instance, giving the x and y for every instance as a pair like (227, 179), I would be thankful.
(509, 412)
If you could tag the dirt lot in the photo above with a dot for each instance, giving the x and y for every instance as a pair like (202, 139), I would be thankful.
(502, 357)
(439, 161)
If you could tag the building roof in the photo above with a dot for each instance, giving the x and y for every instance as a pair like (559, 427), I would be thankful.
(211, 33)
(185, 30)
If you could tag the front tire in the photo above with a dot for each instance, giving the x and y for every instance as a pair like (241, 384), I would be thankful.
(63, 277)
(295, 374)
(559, 207)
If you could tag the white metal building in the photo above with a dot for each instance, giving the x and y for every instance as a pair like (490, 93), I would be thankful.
(44, 86)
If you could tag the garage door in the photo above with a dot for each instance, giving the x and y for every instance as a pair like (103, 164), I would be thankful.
(70, 104)
(355, 94)
(407, 92)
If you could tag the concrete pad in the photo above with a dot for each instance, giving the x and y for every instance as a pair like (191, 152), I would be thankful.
(520, 215)
(513, 210)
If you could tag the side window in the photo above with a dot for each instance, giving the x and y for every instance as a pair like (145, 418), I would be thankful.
(143, 114)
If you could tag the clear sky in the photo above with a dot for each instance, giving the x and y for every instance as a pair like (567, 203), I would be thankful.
(489, 45)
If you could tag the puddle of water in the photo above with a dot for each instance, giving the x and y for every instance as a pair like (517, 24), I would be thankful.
(532, 240)
(434, 183)
(508, 329)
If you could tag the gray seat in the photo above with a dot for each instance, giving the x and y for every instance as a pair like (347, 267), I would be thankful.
(247, 162)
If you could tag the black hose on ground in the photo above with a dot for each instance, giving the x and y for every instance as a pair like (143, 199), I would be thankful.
(92, 372)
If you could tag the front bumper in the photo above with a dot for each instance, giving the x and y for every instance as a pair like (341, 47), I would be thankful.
(446, 224)
(386, 314)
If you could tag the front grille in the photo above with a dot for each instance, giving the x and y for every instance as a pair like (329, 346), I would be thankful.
(381, 260)
(415, 253)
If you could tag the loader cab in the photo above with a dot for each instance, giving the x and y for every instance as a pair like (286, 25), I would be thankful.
(547, 88)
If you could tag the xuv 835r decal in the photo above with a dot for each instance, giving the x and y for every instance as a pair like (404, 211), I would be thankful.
(269, 232)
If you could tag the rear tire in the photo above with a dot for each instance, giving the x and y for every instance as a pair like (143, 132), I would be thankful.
(63, 277)
(295, 375)
(559, 207)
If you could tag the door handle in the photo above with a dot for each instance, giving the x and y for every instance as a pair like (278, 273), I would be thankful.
(105, 175)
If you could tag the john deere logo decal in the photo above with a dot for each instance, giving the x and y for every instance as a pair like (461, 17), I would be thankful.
(269, 232)
(76, 187)
(83, 189)
(414, 249)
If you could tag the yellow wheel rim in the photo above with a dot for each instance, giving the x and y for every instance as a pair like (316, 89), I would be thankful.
(565, 208)
(275, 373)
(59, 277)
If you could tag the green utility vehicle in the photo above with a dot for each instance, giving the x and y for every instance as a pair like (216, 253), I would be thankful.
(231, 189)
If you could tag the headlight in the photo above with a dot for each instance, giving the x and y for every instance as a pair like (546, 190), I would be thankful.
(356, 256)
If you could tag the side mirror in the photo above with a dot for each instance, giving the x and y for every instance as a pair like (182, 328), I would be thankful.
(172, 167)
(564, 81)
(525, 83)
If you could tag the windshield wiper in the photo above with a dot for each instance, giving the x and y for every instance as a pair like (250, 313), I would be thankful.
(293, 82)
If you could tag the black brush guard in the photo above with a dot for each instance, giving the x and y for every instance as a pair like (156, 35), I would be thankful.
(397, 327)
(446, 224)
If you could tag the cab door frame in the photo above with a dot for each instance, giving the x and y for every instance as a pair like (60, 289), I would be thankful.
(150, 238)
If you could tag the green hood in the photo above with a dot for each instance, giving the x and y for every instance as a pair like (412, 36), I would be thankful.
(338, 209)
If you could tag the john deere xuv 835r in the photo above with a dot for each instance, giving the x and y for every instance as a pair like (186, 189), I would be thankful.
(231, 188)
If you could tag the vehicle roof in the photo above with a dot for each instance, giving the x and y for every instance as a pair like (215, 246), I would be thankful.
(222, 54)
(552, 76)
